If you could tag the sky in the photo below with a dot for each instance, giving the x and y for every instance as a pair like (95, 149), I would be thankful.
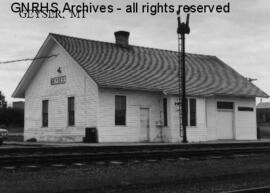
(241, 38)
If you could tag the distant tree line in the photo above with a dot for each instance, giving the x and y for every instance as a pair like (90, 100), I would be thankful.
(3, 102)
(10, 116)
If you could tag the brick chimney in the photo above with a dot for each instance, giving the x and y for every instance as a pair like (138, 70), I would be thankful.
(121, 38)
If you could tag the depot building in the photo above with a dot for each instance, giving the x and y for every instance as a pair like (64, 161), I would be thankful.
(129, 94)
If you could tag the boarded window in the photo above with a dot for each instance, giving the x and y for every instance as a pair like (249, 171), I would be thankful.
(165, 115)
(45, 109)
(120, 110)
(192, 112)
(71, 111)
(224, 105)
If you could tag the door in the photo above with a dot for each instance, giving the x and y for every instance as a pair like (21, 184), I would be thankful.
(144, 124)
(225, 124)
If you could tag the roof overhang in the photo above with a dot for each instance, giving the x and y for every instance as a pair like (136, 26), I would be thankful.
(260, 95)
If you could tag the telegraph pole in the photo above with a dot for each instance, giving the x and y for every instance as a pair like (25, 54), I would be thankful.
(182, 29)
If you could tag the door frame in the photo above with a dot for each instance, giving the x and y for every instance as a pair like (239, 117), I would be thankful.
(233, 118)
(147, 128)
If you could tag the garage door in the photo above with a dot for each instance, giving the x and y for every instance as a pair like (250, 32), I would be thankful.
(225, 116)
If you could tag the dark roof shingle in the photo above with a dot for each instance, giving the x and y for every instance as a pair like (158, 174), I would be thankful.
(150, 69)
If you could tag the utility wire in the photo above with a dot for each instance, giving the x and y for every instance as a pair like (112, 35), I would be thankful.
(28, 59)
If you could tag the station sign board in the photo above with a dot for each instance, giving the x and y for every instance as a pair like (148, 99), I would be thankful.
(58, 80)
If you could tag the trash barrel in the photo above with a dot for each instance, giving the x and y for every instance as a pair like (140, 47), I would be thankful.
(91, 135)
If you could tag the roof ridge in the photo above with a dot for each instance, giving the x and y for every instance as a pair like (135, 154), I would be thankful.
(136, 46)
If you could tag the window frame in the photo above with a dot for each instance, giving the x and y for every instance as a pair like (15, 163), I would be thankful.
(188, 112)
(70, 122)
(118, 122)
(194, 114)
(165, 112)
(218, 105)
(45, 114)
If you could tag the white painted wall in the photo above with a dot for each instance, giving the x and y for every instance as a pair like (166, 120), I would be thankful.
(244, 122)
(194, 133)
(109, 132)
(246, 126)
(96, 107)
(78, 84)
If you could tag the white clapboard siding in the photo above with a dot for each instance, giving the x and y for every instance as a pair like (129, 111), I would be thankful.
(194, 133)
(109, 132)
(95, 107)
(244, 122)
(78, 84)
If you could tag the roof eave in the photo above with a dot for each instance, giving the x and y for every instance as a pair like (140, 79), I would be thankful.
(19, 92)
(242, 96)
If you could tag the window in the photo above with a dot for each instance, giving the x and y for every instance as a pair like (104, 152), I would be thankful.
(45, 108)
(267, 117)
(262, 117)
(165, 116)
(245, 109)
(120, 110)
(192, 112)
(187, 117)
(71, 111)
(224, 105)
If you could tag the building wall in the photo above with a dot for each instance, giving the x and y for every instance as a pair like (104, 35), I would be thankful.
(244, 121)
(194, 133)
(96, 107)
(78, 84)
(131, 132)
(109, 132)
(263, 121)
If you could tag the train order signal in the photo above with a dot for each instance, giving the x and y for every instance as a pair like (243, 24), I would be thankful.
(182, 29)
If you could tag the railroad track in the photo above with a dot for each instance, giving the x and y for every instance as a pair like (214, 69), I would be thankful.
(263, 189)
(133, 147)
(25, 155)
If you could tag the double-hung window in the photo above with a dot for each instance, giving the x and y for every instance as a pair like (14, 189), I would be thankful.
(120, 110)
(191, 115)
(165, 112)
(71, 111)
(45, 113)
(192, 112)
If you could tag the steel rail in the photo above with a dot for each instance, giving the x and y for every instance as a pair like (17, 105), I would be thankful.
(263, 189)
